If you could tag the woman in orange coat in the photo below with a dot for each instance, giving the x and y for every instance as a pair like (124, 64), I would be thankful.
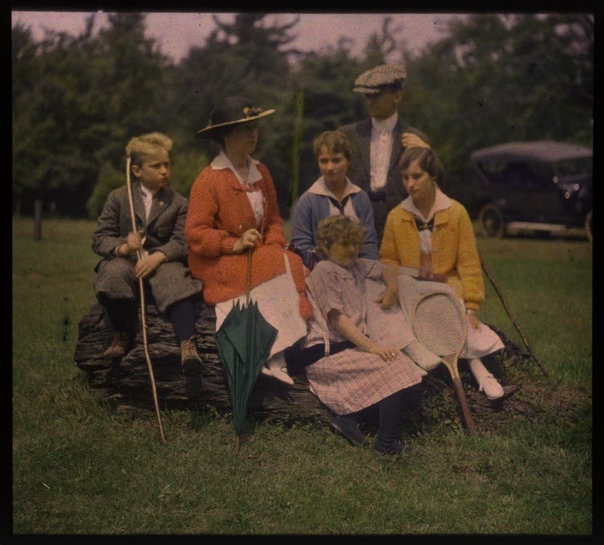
(233, 210)
(431, 231)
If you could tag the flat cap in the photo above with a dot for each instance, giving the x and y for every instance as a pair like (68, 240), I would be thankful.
(373, 80)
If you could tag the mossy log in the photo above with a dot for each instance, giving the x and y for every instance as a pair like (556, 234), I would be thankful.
(126, 383)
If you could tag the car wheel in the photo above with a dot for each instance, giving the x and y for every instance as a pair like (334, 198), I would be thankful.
(589, 225)
(490, 221)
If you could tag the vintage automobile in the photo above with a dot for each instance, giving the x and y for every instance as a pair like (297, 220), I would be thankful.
(538, 186)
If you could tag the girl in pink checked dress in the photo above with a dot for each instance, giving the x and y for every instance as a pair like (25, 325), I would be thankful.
(355, 372)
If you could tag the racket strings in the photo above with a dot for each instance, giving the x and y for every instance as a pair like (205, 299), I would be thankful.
(439, 326)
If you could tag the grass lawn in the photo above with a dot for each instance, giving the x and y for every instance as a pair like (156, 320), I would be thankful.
(80, 468)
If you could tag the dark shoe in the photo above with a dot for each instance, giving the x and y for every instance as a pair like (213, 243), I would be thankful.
(349, 429)
(189, 359)
(120, 346)
(395, 447)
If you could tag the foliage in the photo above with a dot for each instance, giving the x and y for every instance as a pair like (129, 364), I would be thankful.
(500, 78)
(78, 99)
(321, 79)
(110, 178)
(91, 93)
(243, 58)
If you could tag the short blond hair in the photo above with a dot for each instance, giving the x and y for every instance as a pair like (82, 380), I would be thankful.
(339, 228)
(147, 144)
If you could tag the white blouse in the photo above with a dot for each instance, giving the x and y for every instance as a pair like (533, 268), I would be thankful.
(255, 196)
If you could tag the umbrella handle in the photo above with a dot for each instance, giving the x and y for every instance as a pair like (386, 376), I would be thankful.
(249, 276)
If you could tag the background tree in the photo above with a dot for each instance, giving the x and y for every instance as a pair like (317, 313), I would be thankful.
(132, 75)
(246, 57)
(26, 139)
(78, 99)
(325, 82)
(499, 78)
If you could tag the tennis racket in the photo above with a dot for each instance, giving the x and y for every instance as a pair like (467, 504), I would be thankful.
(440, 324)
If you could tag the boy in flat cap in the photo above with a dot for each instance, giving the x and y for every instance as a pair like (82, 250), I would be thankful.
(380, 139)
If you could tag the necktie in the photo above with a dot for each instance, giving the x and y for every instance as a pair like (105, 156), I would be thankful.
(340, 205)
(147, 201)
(422, 225)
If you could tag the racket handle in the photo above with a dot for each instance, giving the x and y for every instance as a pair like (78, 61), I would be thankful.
(463, 401)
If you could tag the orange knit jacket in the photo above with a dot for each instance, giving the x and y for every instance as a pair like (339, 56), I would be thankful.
(218, 214)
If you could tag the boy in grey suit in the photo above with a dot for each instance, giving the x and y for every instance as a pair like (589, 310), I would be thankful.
(379, 140)
(160, 218)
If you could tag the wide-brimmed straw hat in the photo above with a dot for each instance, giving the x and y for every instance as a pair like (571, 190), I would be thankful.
(230, 111)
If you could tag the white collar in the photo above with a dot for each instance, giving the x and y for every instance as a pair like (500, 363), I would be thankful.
(221, 162)
(320, 188)
(441, 202)
(148, 192)
(387, 124)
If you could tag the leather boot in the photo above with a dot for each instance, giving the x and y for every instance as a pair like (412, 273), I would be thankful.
(189, 359)
(120, 345)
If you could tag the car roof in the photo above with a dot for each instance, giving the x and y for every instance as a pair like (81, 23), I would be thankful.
(542, 150)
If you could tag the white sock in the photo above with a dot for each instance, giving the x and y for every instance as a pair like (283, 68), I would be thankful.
(478, 369)
(278, 368)
(487, 383)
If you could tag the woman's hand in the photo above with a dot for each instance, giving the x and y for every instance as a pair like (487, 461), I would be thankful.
(247, 241)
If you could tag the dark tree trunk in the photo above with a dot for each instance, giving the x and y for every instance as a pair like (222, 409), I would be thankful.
(127, 384)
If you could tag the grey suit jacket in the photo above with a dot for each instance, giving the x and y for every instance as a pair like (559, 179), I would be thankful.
(164, 230)
(359, 171)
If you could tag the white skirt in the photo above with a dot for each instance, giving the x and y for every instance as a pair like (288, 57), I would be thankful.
(278, 302)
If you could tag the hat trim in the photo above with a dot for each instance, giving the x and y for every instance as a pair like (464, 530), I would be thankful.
(369, 90)
(210, 127)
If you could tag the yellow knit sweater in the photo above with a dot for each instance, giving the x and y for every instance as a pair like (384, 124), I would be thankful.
(455, 254)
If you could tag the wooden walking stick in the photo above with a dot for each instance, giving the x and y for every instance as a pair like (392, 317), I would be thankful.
(143, 313)
(516, 324)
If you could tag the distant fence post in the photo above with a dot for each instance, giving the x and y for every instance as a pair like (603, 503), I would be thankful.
(38, 219)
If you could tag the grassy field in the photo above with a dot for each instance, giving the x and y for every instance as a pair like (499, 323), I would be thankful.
(80, 468)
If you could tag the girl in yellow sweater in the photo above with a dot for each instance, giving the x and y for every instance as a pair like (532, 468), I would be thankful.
(431, 231)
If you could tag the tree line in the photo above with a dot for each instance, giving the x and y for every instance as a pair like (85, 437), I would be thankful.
(78, 99)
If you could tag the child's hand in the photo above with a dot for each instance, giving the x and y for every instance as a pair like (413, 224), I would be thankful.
(474, 321)
(387, 353)
(387, 299)
(149, 264)
(134, 242)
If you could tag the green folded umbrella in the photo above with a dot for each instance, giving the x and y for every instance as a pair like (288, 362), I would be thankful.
(244, 342)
